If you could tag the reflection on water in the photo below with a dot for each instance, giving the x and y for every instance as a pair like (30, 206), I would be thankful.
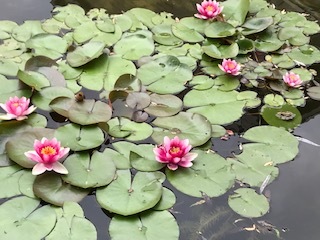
(294, 197)
(21, 10)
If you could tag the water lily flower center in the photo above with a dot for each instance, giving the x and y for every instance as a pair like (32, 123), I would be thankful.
(209, 8)
(174, 150)
(231, 65)
(48, 150)
(16, 104)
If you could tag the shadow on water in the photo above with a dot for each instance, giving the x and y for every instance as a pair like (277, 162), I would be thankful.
(295, 204)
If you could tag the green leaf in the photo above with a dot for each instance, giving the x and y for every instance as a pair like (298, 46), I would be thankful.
(133, 46)
(33, 79)
(142, 158)
(50, 188)
(150, 225)
(79, 138)
(26, 30)
(210, 174)
(71, 224)
(168, 199)
(248, 203)
(85, 53)
(255, 25)
(222, 51)
(164, 75)
(235, 11)
(164, 105)
(89, 171)
(9, 180)
(185, 125)
(126, 197)
(162, 34)
(276, 143)
(105, 71)
(21, 215)
(219, 30)
(47, 45)
(132, 131)
(185, 33)
(272, 116)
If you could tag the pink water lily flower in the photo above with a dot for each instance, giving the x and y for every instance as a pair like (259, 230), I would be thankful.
(47, 154)
(175, 152)
(292, 79)
(208, 9)
(16, 108)
(230, 66)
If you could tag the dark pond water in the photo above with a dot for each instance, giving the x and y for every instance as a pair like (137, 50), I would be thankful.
(295, 198)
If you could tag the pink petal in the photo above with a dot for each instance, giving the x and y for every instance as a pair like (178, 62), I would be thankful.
(29, 110)
(190, 157)
(7, 117)
(4, 107)
(185, 164)
(172, 166)
(59, 168)
(38, 169)
(33, 155)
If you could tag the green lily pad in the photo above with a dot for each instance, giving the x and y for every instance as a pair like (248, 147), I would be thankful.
(276, 143)
(21, 215)
(84, 112)
(142, 158)
(27, 30)
(79, 138)
(145, 16)
(168, 199)
(13, 88)
(221, 51)
(105, 71)
(71, 224)
(255, 25)
(85, 53)
(290, 120)
(219, 30)
(163, 35)
(274, 100)
(8, 67)
(248, 203)
(253, 167)
(235, 11)
(132, 131)
(314, 93)
(33, 79)
(23, 142)
(9, 180)
(85, 171)
(133, 46)
(151, 225)
(164, 105)
(185, 33)
(126, 197)
(210, 174)
(164, 75)
(51, 188)
(42, 98)
(185, 125)
(26, 184)
(47, 45)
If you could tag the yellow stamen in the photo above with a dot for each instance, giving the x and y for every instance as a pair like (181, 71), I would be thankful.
(48, 150)
(174, 150)
(209, 8)
(16, 104)
(231, 65)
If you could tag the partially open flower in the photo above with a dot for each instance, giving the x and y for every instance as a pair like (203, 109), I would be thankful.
(175, 152)
(292, 79)
(230, 66)
(208, 9)
(16, 108)
(47, 154)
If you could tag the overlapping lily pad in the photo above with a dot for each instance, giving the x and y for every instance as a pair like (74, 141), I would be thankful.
(151, 225)
(248, 203)
(186, 125)
(89, 171)
(210, 174)
(21, 215)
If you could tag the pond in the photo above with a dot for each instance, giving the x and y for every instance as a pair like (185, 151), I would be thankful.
(294, 199)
